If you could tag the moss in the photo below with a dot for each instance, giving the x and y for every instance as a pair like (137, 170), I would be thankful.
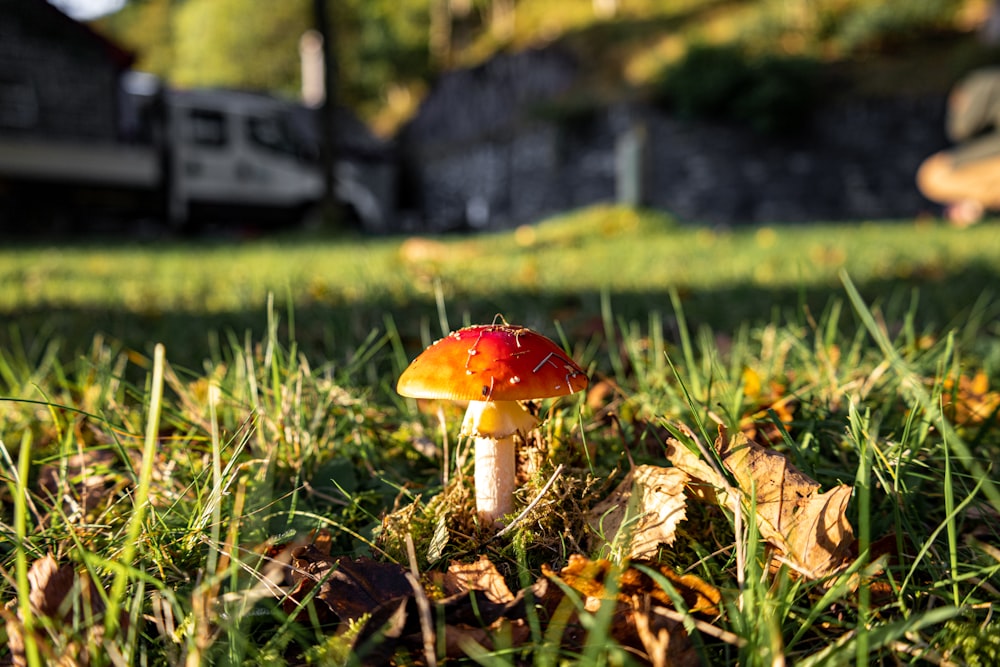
(972, 643)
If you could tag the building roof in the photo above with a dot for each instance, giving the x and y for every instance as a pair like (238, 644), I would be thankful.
(49, 18)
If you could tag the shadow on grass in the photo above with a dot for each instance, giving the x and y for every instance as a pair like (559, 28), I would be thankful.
(933, 302)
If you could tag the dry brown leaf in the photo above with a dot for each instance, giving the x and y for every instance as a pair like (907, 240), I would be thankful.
(643, 511)
(73, 608)
(700, 597)
(481, 575)
(90, 480)
(758, 425)
(589, 577)
(653, 637)
(469, 616)
(471, 603)
(809, 529)
(355, 587)
(704, 483)
(756, 421)
(663, 639)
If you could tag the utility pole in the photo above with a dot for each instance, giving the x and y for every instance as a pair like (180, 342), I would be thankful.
(327, 110)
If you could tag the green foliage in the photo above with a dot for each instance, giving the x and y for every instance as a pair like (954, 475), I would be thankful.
(381, 43)
(382, 46)
(254, 45)
(863, 26)
(707, 81)
(233, 43)
(147, 29)
(772, 94)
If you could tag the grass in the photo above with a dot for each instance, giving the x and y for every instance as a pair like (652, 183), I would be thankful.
(165, 476)
(343, 289)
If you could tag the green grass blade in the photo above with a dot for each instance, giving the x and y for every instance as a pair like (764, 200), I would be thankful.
(863, 440)
(19, 489)
(141, 495)
(844, 650)
(920, 394)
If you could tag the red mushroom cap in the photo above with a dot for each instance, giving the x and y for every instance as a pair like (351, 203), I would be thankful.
(492, 362)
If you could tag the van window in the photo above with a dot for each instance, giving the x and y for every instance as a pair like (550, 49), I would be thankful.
(208, 128)
(271, 133)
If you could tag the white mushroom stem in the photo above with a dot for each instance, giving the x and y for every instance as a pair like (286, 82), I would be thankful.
(494, 424)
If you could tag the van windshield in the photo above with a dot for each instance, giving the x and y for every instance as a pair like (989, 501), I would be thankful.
(272, 133)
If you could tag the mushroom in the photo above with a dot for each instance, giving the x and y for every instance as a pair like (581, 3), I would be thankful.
(493, 366)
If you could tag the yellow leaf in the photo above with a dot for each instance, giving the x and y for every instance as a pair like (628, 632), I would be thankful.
(751, 383)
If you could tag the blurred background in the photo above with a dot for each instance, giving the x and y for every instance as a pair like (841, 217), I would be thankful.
(416, 116)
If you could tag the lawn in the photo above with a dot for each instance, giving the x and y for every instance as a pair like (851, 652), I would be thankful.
(255, 490)
(342, 288)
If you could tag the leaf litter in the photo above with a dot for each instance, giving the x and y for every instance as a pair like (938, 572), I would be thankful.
(808, 529)
(378, 612)
(472, 606)
(471, 603)
(59, 596)
(643, 511)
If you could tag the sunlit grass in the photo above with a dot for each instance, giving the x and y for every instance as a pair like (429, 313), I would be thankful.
(192, 295)
(265, 440)
(596, 249)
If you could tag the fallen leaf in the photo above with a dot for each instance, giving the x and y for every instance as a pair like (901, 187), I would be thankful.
(467, 615)
(663, 639)
(470, 602)
(752, 384)
(700, 597)
(757, 423)
(809, 529)
(653, 637)
(759, 426)
(481, 575)
(590, 576)
(970, 401)
(73, 610)
(643, 511)
(348, 588)
(83, 481)
(704, 481)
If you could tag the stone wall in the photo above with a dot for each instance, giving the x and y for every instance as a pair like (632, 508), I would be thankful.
(854, 160)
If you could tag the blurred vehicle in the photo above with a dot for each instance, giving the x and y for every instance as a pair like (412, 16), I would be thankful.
(87, 143)
(188, 157)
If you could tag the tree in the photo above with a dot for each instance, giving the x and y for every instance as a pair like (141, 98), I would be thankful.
(146, 28)
(380, 42)
(253, 44)
(240, 43)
